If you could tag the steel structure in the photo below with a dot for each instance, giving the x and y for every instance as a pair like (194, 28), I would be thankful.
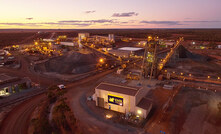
(149, 65)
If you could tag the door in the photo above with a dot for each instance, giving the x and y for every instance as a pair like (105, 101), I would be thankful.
(100, 102)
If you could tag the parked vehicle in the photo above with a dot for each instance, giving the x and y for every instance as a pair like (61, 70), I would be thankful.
(61, 86)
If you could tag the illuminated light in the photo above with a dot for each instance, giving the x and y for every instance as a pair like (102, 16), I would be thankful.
(190, 75)
(208, 77)
(181, 73)
(101, 60)
(218, 78)
(36, 43)
(165, 70)
(149, 38)
(173, 72)
(139, 111)
(108, 116)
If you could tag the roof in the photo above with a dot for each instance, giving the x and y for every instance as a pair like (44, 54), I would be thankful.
(145, 103)
(130, 48)
(6, 78)
(132, 91)
(18, 81)
(119, 51)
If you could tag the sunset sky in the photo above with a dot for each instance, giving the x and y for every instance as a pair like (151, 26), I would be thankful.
(77, 14)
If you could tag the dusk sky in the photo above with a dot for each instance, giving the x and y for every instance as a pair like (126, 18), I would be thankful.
(77, 14)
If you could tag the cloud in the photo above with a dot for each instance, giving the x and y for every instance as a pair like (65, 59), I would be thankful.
(44, 23)
(128, 14)
(162, 22)
(67, 23)
(81, 23)
(21, 24)
(89, 12)
(202, 21)
(88, 21)
(171, 23)
(29, 18)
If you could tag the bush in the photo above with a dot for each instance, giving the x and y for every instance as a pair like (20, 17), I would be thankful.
(52, 97)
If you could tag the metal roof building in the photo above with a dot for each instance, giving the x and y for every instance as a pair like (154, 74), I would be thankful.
(124, 99)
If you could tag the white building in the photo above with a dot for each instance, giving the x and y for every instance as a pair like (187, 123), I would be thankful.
(131, 49)
(123, 99)
(83, 36)
(111, 38)
(127, 52)
(67, 44)
(48, 40)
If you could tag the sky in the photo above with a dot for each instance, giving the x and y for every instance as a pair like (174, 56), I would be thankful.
(102, 14)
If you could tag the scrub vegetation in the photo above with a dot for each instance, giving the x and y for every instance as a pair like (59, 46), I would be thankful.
(63, 120)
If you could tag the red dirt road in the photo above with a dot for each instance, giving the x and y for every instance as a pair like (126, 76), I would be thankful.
(17, 121)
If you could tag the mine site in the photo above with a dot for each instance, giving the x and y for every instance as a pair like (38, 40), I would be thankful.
(110, 67)
(67, 81)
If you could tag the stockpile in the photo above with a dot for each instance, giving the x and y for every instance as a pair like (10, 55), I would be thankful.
(70, 63)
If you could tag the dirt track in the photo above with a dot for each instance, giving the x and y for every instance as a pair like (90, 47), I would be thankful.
(17, 121)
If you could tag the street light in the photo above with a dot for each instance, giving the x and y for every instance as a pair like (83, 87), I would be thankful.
(149, 38)
(101, 60)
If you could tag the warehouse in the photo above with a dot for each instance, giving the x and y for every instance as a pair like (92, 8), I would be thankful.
(127, 52)
(10, 84)
(120, 53)
(123, 99)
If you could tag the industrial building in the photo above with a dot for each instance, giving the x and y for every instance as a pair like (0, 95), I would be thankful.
(10, 84)
(123, 99)
(120, 53)
(83, 36)
(48, 40)
(127, 52)
(105, 40)
(70, 44)
(111, 38)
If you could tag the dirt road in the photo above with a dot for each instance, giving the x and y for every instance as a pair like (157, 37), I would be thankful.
(17, 121)
(90, 121)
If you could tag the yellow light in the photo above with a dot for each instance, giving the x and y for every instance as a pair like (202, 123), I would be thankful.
(149, 38)
(108, 116)
(36, 43)
(165, 70)
(208, 77)
(101, 60)
(139, 111)
(190, 74)
(218, 78)
(181, 73)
